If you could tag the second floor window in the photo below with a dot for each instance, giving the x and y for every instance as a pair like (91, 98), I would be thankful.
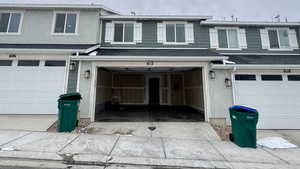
(228, 38)
(65, 23)
(279, 39)
(123, 32)
(10, 22)
(175, 33)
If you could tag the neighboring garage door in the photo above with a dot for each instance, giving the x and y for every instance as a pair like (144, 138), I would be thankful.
(30, 86)
(275, 96)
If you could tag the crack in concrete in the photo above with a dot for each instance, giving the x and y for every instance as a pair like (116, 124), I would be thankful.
(17, 138)
(70, 142)
(219, 152)
(274, 155)
(115, 144)
(164, 147)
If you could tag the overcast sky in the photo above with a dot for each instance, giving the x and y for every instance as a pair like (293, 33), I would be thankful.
(242, 9)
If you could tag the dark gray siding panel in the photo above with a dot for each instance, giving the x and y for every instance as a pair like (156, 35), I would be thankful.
(202, 39)
(253, 39)
(254, 43)
(149, 37)
(72, 80)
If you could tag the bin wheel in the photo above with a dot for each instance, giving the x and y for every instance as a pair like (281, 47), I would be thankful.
(231, 138)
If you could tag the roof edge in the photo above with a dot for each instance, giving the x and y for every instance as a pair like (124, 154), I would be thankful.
(49, 5)
(157, 17)
(255, 66)
(250, 23)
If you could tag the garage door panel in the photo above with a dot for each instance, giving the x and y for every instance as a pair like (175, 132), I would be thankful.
(30, 90)
(278, 102)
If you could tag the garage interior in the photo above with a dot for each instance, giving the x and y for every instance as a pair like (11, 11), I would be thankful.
(149, 95)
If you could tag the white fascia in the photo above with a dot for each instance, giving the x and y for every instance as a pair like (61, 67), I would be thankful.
(156, 17)
(260, 53)
(253, 66)
(147, 58)
(58, 51)
(57, 6)
(249, 23)
(92, 48)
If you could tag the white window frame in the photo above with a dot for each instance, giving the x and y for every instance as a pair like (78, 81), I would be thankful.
(123, 22)
(278, 38)
(227, 28)
(65, 12)
(20, 25)
(175, 43)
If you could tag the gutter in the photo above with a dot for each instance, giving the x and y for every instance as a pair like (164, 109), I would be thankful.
(147, 58)
(249, 23)
(247, 66)
(25, 50)
(155, 17)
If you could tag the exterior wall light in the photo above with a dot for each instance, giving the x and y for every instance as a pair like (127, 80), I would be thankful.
(87, 74)
(212, 74)
(12, 55)
(287, 70)
(228, 82)
(72, 66)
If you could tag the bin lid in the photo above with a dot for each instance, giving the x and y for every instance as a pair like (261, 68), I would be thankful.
(70, 96)
(243, 109)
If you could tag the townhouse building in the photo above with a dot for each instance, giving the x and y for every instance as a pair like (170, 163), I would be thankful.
(120, 63)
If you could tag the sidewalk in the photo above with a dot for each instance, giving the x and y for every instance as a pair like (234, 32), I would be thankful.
(85, 149)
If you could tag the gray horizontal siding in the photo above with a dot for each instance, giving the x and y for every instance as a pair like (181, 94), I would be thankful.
(254, 43)
(37, 29)
(149, 37)
(202, 39)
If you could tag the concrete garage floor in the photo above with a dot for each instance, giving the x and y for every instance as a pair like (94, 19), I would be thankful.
(27, 122)
(136, 113)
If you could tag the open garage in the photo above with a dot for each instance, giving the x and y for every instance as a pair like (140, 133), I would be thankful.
(149, 94)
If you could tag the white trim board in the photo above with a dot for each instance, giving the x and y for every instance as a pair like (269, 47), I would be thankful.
(156, 17)
(147, 58)
(148, 48)
(25, 50)
(254, 66)
(260, 53)
(250, 23)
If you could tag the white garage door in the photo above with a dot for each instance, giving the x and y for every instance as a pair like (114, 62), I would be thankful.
(275, 96)
(30, 86)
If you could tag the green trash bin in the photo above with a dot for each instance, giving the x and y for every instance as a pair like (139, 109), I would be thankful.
(67, 115)
(243, 124)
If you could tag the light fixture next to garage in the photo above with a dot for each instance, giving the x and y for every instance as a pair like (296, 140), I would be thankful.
(12, 56)
(228, 82)
(87, 74)
(72, 66)
(212, 74)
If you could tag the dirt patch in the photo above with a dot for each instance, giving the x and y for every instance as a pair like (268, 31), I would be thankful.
(223, 131)
(82, 123)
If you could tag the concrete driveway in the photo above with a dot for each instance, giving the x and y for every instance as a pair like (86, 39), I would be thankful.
(181, 130)
(27, 122)
(292, 136)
